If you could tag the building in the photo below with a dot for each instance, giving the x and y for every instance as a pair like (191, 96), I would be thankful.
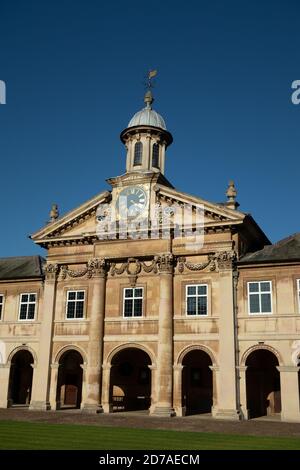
(130, 312)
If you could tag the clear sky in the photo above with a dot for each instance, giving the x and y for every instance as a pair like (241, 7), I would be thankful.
(74, 71)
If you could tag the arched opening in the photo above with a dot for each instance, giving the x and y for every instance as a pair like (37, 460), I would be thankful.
(262, 384)
(197, 384)
(69, 380)
(130, 380)
(155, 156)
(138, 154)
(20, 380)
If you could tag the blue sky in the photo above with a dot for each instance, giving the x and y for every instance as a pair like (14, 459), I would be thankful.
(74, 72)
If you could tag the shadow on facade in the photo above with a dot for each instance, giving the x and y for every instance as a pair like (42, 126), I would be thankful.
(130, 380)
(69, 380)
(197, 385)
(20, 378)
(262, 384)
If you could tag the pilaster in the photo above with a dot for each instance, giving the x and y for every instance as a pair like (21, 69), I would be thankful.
(41, 377)
(289, 385)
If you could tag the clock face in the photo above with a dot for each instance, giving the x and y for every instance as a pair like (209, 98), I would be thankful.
(131, 202)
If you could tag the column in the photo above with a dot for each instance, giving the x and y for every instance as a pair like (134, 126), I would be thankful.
(289, 386)
(106, 405)
(4, 384)
(163, 407)
(215, 381)
(54, 403)
(243, 391)
(227, 393)
(177, 392)
(153, 387)
(41, 376)
(91, 403)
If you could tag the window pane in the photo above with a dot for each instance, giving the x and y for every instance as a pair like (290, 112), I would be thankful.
(155, 155)
(30, 314)
(72, 295)
(80, 295)
(191, 290)
(191, 305)
(266, 303)
(265, 286)
(128, 292)
(32, 298)
(79, 309)
(1, 299)
(128, 308)
(23, 312)
(138, 150)
(253, 287)
(24, 298)
(138, 307)
(202, 305)
(71, 310)
(138, 293)
(202, 290)
(254, 303)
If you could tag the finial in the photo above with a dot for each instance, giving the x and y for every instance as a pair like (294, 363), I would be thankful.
(54, 212)
(148, 99)
(231, 194)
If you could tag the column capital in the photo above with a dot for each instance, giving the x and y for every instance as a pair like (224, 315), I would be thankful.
(287, 368)
(242, 368)
(226, 260)
(54, 365)
(51, 272)
(214, 368)
(165, 263)
(97, 267)
(178, 367)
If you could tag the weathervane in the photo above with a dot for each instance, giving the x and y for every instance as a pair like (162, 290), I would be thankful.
(149, 83)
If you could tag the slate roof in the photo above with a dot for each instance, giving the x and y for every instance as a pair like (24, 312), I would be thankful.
(21, 267)
(287, 249)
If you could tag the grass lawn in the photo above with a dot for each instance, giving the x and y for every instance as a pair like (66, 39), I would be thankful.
(28, 435)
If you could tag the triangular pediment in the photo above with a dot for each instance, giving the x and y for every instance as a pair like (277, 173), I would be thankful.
(76, 224)
(214, 214)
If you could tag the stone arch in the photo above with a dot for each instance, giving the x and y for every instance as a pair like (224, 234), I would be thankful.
(119, 348)
(70, 362)
(199, 347)
(22, 348)
(70, 347)
(256, 347)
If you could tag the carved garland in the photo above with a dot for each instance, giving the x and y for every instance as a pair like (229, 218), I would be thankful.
(93, 267)
(223, 260)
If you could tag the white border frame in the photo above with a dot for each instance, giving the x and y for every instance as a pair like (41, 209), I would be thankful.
(207, 299)
(133, 317)
(35, 310)
(84, 305)
(248, 297)
(298, 292)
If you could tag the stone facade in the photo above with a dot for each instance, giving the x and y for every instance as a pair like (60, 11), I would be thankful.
(192, 341)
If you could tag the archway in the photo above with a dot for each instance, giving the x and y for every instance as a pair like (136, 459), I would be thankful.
(130, 380)
(262, 384)
(197, 384)
(20, 380)
(69, 381)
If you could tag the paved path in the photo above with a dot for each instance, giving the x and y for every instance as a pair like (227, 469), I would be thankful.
(142, 420)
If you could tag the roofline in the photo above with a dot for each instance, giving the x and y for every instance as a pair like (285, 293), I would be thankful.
(146, 128)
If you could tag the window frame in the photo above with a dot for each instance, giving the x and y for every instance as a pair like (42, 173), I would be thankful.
(2, 302)
(197, 315)
(139, 145)
(75, 300)
(133, 298)
(156, 146)
(259, 294)
(28, 303)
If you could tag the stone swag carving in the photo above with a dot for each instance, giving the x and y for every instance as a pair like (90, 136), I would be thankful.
(93, 267)
(133, 267)
(223, 260)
